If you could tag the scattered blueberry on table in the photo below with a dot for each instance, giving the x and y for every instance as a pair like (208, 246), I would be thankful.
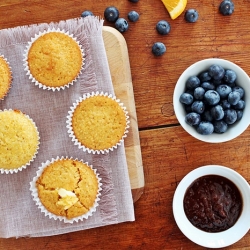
(121, 24)
(87, 13)
(163, 27)
(133, 16)
(213, 110)
(191, 16)
(111, 14)
(226, 7)
(158, 49)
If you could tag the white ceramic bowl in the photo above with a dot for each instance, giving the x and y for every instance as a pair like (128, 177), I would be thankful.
(242, 81)
(205, 239)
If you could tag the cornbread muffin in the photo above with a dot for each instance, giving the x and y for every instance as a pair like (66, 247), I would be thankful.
(68, 188)
(5, 77)
(19, 139)
(99, 122)
(55, 59)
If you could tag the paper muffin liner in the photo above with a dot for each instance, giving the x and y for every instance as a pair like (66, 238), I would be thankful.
(26, 65)
(43, 209)
(12, 171)
(11, 78)
(71, 132)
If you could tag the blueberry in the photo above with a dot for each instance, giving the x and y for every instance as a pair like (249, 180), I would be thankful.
(212, 97)
(240, 105)
(199, 93)
(87, 13)
(191, 15)
(186, 98)
(163, 27)
(233, 97)
(134, 1)
(230, 116)
(204, 76)
(226, 7)
(207, 85)
(239, 114)
(158, 49)
(225, 104)
(206, 116)
(205, 128)
(192, 82)
(198, 107)
(121, 24)
(111, 14)
(216, 72)
(223, 90)
(230, 76)
(217, 112)
(240, 90)
(220, 127)
(193, 119)
(133, 16)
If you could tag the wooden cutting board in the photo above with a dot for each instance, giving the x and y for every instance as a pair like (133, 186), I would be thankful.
(118, 59)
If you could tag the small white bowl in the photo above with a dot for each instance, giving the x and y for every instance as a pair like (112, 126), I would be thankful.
(242, 81)
(206, 239)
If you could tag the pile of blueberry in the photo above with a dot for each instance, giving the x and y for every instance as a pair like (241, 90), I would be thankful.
(212, 100)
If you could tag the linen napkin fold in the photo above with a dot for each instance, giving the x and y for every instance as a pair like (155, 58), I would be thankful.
(19, 214)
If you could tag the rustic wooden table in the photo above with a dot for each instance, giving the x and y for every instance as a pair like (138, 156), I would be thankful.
(168, 152)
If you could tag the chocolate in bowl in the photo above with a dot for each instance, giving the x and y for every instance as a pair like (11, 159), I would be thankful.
(213, 203)
(212, 239)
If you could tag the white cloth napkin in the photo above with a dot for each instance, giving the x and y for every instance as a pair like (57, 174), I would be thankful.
(19, 214)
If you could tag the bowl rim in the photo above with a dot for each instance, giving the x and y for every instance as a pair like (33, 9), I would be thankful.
(203, 65)
(206, 239)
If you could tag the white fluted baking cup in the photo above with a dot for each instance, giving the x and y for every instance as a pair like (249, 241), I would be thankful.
(34, 193)
(15, 170)
(26, 64)
(10, 70)
(71, 132)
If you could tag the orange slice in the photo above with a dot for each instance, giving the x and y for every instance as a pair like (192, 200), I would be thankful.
(175, 7)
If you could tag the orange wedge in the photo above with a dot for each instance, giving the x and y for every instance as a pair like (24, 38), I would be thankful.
(175, 7)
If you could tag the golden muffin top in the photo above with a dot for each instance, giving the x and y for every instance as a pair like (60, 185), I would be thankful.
(19, 139)
(99, 122)
(67, 188)
(55, 59)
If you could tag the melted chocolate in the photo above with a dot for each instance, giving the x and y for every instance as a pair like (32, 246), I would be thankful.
(213, 203)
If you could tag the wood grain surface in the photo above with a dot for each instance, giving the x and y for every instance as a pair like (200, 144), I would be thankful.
(168, 152)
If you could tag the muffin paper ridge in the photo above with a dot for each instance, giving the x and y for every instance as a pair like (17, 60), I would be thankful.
(42, 208)
(26, 66)
(71, 132)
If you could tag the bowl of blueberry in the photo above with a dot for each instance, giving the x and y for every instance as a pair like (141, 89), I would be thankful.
(212, 100)
(211, 206)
